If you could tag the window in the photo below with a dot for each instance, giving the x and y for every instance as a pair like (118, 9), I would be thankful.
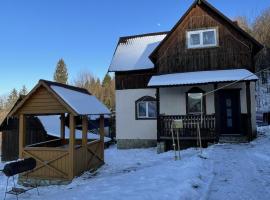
(194, 100)
(146, 108)
(202, 38)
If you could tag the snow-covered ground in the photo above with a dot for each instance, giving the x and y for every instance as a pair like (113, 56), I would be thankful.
(226, 171)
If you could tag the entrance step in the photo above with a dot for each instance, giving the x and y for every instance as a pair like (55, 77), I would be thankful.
(233, 139)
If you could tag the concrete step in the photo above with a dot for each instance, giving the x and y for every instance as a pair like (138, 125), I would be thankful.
(233, 139)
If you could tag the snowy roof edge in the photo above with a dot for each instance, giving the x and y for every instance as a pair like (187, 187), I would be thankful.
(190, 78)
(123, 40)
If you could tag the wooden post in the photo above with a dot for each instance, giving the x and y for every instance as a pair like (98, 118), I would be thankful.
(84, 138)
(217, 111)
(71, 145)
(158, 114)
(101, 133)
(62, 128)
(22, 130)
(248, 99)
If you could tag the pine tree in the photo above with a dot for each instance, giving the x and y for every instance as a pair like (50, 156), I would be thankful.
(106, 81)
(61, 73)
(12, 98)
(23, 91)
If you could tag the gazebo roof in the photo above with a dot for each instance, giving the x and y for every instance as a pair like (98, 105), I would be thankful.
(74, 100)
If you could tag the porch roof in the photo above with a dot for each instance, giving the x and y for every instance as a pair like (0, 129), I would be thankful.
(202, 77)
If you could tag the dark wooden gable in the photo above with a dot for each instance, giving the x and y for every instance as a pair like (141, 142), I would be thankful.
(236, 49)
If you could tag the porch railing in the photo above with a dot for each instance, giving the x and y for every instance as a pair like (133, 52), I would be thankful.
(190, 123)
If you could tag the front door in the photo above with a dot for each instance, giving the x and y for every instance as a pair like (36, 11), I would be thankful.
(230, 111)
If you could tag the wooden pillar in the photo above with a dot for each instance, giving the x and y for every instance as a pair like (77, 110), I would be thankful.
(71, 145)
(84, 139)
(217, 111)
(101, 133)
(62, 127)
(22, 132)
(158, 114)
(248, 101)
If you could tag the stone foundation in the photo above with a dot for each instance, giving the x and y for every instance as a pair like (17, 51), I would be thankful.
(135, 143)
(41, 182)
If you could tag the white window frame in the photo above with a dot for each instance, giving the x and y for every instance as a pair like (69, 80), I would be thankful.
(146, 110)
(200, 32)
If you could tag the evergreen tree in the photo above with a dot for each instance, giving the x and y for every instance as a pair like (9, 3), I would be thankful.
(12, 98)
(23, 90)
(106, 81)
(61, 73)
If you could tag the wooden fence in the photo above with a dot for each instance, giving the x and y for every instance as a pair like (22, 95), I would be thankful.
(190, 123)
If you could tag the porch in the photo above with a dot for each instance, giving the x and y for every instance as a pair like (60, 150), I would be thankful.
(208, 127)
(224, 99)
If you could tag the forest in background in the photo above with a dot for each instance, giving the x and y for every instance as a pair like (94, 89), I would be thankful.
(104, 90)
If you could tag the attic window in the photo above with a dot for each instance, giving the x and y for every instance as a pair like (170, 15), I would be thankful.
(202, 38)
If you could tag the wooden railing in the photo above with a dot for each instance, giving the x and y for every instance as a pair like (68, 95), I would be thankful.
(190, 123)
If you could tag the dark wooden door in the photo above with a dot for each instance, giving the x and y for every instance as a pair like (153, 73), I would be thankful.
(230, 111)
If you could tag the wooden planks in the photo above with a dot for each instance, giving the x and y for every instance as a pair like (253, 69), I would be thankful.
(51, 164)
(42, 102)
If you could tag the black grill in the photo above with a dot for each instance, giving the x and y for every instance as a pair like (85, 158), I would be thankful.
(18, 167)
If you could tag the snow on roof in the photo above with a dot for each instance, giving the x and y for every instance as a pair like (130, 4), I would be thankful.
(51, 125)
(82, 103)
(201, 77)
(132, 53)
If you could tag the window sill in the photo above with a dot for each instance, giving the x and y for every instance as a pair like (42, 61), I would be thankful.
(137, 118)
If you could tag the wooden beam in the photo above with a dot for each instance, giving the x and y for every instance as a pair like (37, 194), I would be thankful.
(248, 99)
(71, 145)
(84, 139)
(22, 131)
(101, 133)
(158, 114)
(217, 111)
(62, 127)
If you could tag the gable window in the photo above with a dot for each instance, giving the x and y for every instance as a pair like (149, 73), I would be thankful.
(146, 108)
(194, 100)
(202, 38)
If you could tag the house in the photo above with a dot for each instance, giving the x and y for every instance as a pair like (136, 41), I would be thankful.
(60, 160)
(182, 74)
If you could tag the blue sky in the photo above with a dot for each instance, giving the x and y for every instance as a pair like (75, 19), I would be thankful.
(34, 34)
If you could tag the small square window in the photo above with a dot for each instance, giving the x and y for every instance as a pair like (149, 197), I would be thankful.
(202, 38)
(146, 108)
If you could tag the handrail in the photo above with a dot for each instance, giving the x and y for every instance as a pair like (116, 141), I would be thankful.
(45, 142)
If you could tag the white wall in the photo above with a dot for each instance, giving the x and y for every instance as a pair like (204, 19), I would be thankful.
(173, 100)
(127, 127)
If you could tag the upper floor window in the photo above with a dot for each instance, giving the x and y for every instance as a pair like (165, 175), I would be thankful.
(202, 38)
(146, 108)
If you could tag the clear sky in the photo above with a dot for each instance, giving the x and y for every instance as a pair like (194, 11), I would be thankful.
(34, 34)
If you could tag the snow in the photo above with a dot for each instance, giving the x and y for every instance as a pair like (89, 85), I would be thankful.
(226, 171)
(51, 125)
(133, 54)
(201, 77)
(82, 103)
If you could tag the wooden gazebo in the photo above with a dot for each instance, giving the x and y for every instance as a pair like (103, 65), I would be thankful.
(60, 160)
